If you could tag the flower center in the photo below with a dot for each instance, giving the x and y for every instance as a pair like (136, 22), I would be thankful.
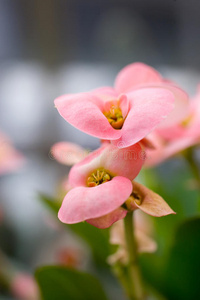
(98, 177)
(114, 116)
(134, 198)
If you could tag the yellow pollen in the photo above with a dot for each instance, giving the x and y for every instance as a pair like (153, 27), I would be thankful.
(137, 197)
(134, 198)
(114, 116)
(98, 177)
(186, 122)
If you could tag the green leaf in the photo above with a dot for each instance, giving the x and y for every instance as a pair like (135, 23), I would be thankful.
(183, 266)
(172, 180)
(97, 239)
(60, 283)
(177, 275)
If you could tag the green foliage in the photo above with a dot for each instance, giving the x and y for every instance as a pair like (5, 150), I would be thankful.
(97, 239)
(60, 283)
(172, 181)
(177, 277)
(174, 269)
(183, 267)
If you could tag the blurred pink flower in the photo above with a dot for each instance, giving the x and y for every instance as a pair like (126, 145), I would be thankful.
(125, 114)
(68, 153)
(70, 257)
(100, 184)
(171, 140)
(143, 238)
(24, 287)
(10, 158)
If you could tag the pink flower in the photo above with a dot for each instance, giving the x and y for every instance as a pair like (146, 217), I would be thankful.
(68, 153)
(10, 159)
(171, 140)
(70, 257)
(166, 149)
(125, 114)
(24, 287)
(101, 183)
(188, 126)
(102, 190)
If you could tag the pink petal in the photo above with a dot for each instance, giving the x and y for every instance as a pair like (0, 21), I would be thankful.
(23, 286)
(79, 173)
(148, 108)
(181, 105)
(125, 162)
(10, 158)
(124, 105)
(107, 220)
(120, 255)
(142, 226)
(84, 111)
(179, 145)
(68, 153)
(163, 152)
(13, 162)
(156, 155)
(134, 75)
(65, 186)
(193, 128)
(152, 203)
(147, 143)
(171, 133)
(117, 234)
(83, 203)
(144, 242)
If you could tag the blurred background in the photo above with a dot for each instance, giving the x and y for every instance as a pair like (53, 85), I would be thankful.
(52, 47)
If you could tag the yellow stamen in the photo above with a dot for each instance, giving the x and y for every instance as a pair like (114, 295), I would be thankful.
(115, 117)
(98, 177)
(133, 200)
(186, 122)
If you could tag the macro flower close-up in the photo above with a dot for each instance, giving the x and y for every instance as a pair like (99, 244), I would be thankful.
(99, 150)
(100, 184)
(140, 101)
(172, 140)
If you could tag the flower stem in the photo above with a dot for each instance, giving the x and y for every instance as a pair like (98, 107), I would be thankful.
(120, 273)
(135, 282)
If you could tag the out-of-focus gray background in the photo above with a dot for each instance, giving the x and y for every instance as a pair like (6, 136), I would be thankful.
(52, 47)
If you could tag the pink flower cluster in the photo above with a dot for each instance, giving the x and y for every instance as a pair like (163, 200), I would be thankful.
(172, 139)
(101, 187)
